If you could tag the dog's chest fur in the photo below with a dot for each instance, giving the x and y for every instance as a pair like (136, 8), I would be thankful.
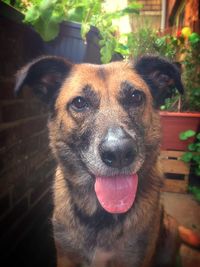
(124, 241)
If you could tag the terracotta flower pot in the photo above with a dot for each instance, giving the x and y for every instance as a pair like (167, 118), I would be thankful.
(172, 124)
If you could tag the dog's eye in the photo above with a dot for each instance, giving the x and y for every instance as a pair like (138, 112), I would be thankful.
(137, 98)
(79, 103)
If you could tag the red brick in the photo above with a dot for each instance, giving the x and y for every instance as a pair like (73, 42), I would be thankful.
(20, 189)
(7, 89)
(41, 172)
(34, 218)
(17, 110)
(23, 150)
(9, 178)
(35, 179)
(4, 203)
(44, 138)
(14, 216)
(12, 133)
(39, 159)
(40, 190)
(20, 173)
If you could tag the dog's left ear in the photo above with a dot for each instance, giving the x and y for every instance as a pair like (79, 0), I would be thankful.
(44, 76)
(161, 76)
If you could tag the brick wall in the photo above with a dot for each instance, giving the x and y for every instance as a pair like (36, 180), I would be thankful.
(26, 164)
(151, 5)
(150, 13)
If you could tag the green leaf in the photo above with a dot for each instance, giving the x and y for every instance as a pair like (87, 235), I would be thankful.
(197, 171)
(187, 157)
(32, 15)
(75, 14)
(196, 158)
(57, 16)
(122, 46)
(198, 136)
(192, 147)
(48, 31)
(85, 27)
(195, 191)
(45, 5)
(197, 196)
(106, 54)
(187, 134)
(163, 107)
(7, 1)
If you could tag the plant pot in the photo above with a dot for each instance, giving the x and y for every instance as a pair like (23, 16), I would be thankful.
(172, 124)
(69, 44)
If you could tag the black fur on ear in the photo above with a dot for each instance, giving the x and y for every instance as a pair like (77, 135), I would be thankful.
(161, 76)
(44, 75)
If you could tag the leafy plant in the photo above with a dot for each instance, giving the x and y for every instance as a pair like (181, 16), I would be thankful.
(191, 74)
(104, 22)
(181, 49)
(140, 42)
(171, 104)
(146, 40)
(186, 51)
(193, 154)
(18, 4)
(169, 46)
(46, 15)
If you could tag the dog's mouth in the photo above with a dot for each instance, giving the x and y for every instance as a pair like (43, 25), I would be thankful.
(116, 194)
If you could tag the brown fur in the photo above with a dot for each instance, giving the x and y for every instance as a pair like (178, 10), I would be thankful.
(85, 234)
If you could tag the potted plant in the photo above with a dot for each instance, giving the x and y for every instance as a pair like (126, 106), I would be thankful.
(182, 113)
(64, 25)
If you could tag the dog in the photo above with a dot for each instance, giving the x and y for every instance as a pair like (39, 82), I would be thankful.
(104, 131)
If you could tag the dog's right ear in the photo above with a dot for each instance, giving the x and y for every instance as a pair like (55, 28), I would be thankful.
(162, 77)
(44, 75)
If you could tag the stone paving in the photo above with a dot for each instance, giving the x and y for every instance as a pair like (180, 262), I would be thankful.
(187, 211)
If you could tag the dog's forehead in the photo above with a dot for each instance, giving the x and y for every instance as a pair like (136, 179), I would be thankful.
(103, 79)
(109, 74)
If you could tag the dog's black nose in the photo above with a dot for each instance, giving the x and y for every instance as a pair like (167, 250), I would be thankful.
(117, 149)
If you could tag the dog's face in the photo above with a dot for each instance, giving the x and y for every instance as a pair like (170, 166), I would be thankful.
(104, 113)
(104, 125)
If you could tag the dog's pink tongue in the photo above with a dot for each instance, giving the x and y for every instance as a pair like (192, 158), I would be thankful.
(116, 194)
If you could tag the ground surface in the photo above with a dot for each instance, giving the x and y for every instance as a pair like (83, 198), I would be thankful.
(187, 211)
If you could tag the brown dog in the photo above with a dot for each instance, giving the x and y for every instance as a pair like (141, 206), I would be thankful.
(105, 134)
